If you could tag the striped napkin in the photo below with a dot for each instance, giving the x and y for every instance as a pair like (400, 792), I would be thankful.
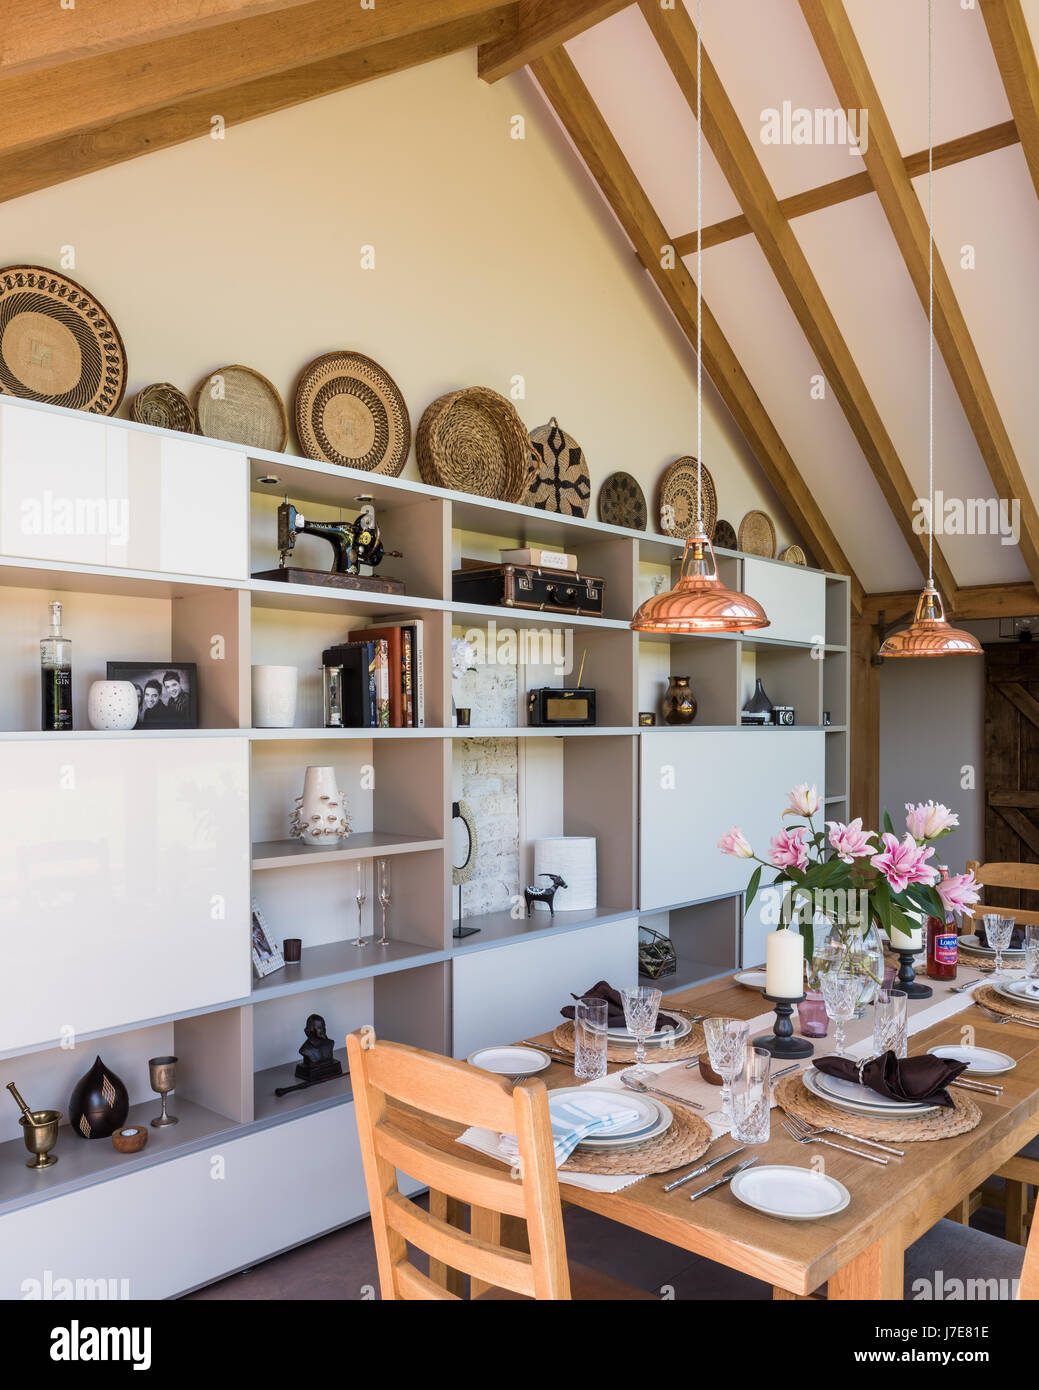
(574, 1118)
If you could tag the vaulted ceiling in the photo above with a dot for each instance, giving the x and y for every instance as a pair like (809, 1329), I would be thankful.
(814, 272)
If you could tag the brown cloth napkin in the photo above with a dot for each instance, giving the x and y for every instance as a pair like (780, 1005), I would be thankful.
(921, 1079)
(1017, 936)
(614, 1007)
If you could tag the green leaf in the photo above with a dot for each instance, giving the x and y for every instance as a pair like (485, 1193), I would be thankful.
(882, 903)
(752, 886)
(887, 824)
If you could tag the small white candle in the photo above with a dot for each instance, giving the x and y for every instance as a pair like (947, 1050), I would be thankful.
(911, 941)
(784, 964)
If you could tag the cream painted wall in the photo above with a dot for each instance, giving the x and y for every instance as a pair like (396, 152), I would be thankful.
(494, 258)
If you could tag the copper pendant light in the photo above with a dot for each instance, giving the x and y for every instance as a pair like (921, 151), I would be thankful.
(699, 602)
(929, 634)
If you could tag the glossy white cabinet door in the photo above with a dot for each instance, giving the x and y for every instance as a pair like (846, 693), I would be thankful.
(124, 882)
(794, 599)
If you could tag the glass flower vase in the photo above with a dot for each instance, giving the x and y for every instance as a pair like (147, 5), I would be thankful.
(855, 944)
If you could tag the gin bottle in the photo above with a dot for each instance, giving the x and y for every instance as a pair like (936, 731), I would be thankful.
(56, 675)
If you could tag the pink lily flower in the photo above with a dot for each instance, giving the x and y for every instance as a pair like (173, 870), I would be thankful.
(927, 820)
(789, 850)
(804, 801)
(734, 842)
(959, 893)
(904, 862)
(850, 841)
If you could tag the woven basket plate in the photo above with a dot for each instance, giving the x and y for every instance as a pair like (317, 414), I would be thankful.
(474, 441)
(793, 555)
(724, 535)
(560, 481)
(795, 1099)
(351, 412)
(976, 961)
(240, 405)
(58, 343)
(684, 1142)
(623, 503)
(987, 995)
(163, 406)
(757, 535)
(677, 499)
(690, 1046)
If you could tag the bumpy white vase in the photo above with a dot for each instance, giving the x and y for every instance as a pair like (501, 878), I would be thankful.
(320, 817)
(274, 696)
(112, 705)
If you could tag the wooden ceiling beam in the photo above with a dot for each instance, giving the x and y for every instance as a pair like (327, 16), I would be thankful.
(40, 107)
(973, 602)
(43, 36)
(1019, 69)
(584, 123)
(675, 34)
(828, 195)
(855, 89)
(70, 156)
(542, 26)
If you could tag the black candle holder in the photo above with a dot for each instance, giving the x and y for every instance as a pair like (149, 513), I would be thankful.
(781, 1041)
(907, 977)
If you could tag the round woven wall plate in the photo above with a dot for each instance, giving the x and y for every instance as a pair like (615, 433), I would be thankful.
(793, 555)
(163, 406)
(241, 406)
(351, 412)
(724, 535)
(757, 535)
(58, 343)
(474, 441)
(623, 503)
(677, 499)
(560, 481)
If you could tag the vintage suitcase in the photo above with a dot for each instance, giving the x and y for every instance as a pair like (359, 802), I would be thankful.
(520, 586)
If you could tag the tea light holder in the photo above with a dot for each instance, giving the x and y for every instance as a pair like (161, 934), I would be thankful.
(906, 979)
(781, 1041)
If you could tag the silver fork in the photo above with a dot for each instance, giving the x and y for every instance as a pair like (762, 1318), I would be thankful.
(808, 1139)
(967, 984)
(814, 1130)
(1003, 1018)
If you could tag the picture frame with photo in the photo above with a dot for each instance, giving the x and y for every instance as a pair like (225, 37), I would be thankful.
(167, 692)
(266, 956)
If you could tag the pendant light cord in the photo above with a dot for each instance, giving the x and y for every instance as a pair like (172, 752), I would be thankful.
(699, 285)
(930, 291)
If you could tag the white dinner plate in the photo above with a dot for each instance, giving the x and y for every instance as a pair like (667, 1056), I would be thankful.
(795, 1194)
(855, 1105)
(1020, 991)
(973, 944)
(517, 1063)
(653, 1118)
(981, 1061)
(751, 979)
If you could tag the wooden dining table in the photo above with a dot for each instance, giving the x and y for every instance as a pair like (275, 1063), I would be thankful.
(858, 1252)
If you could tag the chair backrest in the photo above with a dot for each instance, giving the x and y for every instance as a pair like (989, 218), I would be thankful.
(386, 1078)
(1020, 876)
(1028, 1288)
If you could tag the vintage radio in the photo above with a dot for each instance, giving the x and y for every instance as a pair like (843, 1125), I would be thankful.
(565, 708)
(523, 586)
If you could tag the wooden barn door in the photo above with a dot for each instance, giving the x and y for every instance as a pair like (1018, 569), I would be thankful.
(1011, 760)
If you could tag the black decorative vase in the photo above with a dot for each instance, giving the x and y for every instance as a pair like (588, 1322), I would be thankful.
(759, 703)
(99, 1103)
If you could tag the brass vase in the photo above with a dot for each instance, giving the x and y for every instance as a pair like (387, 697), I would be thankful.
(679, 701)
(40, 1137)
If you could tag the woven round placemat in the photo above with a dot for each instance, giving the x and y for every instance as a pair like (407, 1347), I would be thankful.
(163, 406)
(676, 499)
(757, 535)
(58, 343)
(976, 961)
(474, 441)
(689, 1046)
(349, 411)
(684, 1142)
(986, 995)
(622, 502)
(793, 555)
(560, 481)
(724, 535)
(240, 405)
(795, 1099)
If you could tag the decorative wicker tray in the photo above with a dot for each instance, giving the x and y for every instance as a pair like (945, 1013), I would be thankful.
(757, 535)
(560, 480)
(474, 441)
(165, 407)
(622, 502)
(350, 412)
(676, 501)
(240, 405)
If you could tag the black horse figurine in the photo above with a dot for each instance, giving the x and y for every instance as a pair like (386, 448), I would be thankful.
(544, 895)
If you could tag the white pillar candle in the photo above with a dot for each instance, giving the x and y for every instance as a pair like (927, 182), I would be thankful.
(908, 941)
(784, 964)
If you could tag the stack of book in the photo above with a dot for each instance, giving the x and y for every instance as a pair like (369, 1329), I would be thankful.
(382, 675)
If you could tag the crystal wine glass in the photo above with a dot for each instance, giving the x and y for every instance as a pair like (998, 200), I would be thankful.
(999, 932)
(383, 870)
(840, 991)
(1032, 951)
(726, 1048)
(640, 1016)
(361, 895)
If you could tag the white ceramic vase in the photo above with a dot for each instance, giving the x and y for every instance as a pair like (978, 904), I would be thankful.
(320, 816)
(112, 705)
(274, 696)
(572, 857)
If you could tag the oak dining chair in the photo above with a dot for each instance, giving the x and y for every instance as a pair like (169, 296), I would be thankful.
(951, 1252)
(415, 1081)
(1022, 1171)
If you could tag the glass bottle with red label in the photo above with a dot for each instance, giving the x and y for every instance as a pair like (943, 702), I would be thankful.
(942, 942)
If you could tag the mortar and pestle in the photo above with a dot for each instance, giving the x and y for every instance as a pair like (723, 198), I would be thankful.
(39, 1130)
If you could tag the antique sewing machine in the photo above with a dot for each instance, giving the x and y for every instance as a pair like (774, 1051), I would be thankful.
(354, 543)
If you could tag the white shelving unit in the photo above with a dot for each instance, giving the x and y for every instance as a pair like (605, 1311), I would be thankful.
(126, 889)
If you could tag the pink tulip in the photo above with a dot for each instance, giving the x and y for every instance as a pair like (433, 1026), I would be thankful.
(959, 893)
(904, 862)
(850, 841)
(734, 842)
(804, 801)
(926, 821)
(788, 849)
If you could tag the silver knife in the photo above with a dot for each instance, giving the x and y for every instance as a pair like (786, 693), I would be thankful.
(704, 1168)
(725, 1177)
